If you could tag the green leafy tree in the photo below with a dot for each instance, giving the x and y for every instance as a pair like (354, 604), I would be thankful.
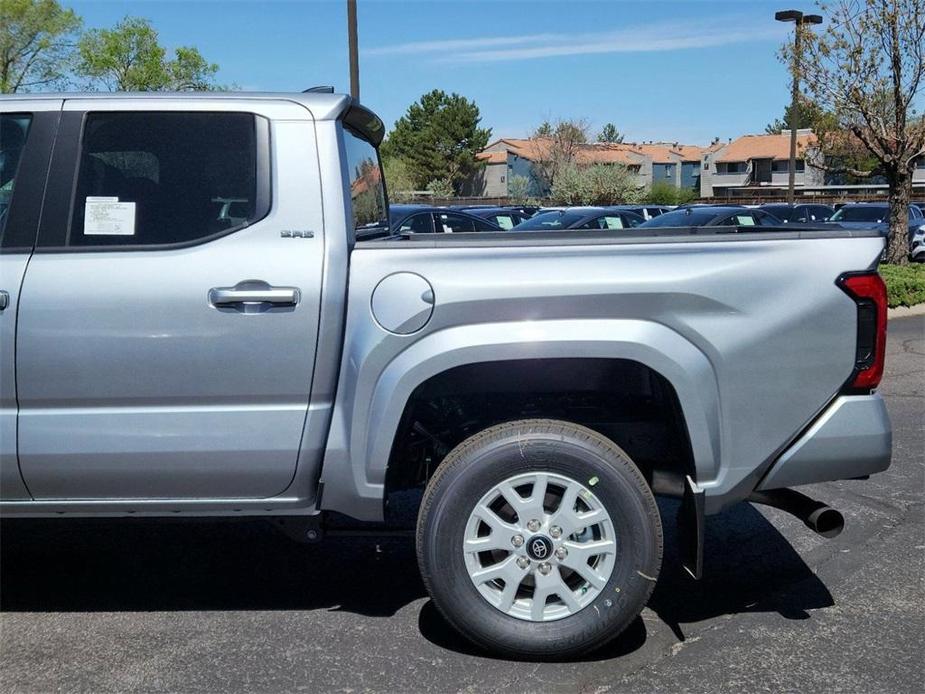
(129, 57)
(438, 138)
(609, 133)
(809, 115)
(37, 39)
(867, 67)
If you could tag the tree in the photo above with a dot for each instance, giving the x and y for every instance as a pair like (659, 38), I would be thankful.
(398, 179)
(36, 44)
(609, 133)
(438, 138)
(556, 146)
(129, 57)
(809, 115)
(868, 68)
(597, 184)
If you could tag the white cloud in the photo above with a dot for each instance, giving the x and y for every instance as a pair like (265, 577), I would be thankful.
(419, 47)
(664, 36)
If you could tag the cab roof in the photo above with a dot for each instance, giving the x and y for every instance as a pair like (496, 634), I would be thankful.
(322, 105)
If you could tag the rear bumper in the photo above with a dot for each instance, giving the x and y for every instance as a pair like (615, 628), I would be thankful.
(852, 438)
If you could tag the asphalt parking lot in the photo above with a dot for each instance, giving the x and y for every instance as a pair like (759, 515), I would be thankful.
(210, 606)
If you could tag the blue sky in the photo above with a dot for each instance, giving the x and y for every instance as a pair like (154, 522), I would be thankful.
(681, 71)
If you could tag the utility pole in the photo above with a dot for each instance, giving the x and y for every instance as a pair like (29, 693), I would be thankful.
(799, 19)
(354, 51)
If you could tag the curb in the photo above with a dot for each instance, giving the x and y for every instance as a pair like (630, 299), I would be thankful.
(906, 311)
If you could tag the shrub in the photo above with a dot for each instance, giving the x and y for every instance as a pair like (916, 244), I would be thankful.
(905, 284)
(441, 188)
(598, 184)
(663, 193)
(518, 188)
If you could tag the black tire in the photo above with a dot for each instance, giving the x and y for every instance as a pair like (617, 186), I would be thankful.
(496, 454)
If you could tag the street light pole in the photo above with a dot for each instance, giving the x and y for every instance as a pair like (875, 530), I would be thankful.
(799, 19)
(354, 52)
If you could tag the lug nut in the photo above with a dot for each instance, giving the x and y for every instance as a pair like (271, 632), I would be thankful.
(533, 525)
(523, 562)
(545, 568)
(561, 553)
(517, 540)
(555, 531)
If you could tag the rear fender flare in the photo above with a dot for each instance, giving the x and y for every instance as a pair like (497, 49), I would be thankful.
(361, 440)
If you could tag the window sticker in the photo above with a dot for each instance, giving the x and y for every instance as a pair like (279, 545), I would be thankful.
(505, 222)
(613, 222)
(745, 220)
(106, 216)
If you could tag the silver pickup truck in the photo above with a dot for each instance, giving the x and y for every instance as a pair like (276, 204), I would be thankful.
(190, 326)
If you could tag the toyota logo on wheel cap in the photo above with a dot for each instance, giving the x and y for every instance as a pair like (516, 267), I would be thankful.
(539, 547)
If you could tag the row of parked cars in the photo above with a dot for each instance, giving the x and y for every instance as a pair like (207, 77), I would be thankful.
(424, 219)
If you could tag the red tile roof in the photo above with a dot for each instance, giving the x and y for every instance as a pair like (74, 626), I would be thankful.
(764, 147)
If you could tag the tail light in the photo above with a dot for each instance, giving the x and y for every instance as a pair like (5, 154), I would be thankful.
(869, 293)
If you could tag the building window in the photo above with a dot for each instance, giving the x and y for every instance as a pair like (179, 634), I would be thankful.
(731, 167)
(783, 165)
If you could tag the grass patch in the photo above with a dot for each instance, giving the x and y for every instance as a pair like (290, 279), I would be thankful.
(905, 284)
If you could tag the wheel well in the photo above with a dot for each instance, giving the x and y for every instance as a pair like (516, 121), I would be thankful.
(628, 402)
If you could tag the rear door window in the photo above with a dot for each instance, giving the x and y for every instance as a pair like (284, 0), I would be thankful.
(14, 129)
(744, 220)
(505, 221)
(421, 223)
(455, 223)
(154, 178)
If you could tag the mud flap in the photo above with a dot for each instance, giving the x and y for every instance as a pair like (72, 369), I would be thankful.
(691, 528)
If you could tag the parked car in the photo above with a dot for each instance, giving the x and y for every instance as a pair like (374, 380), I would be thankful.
(713, 215)
(502, 217)
(581, 218)
(526, 210)
(537, 392)
(423, 219)
(876, 215)
(801, 213)
(917, 245)
(647, 212)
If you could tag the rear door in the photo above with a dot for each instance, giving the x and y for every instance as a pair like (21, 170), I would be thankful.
(27, 132)
(169, 318)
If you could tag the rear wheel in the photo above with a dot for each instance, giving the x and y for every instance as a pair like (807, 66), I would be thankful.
(539, 538)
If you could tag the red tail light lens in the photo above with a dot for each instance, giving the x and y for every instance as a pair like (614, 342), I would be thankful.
(869, 293)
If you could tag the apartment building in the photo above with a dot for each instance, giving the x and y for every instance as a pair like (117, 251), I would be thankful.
(748, 166)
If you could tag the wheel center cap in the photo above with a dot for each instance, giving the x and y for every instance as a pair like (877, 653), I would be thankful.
(539, 547)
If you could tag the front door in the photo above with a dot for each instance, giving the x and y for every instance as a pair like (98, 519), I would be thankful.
(167, 327)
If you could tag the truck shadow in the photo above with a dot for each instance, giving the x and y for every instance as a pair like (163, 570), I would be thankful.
(749, 567)
(68, 565)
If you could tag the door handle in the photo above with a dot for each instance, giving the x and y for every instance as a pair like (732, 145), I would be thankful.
(254, 292)
(4, 299)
